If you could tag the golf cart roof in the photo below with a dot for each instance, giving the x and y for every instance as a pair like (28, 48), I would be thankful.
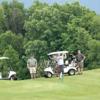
(1, 58)
(58, 52)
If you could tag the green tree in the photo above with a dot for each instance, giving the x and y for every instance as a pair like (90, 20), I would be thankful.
(75, 38)
(2, 20)
(14, 13)
(37, 47)
(93, 56)
(9, 38)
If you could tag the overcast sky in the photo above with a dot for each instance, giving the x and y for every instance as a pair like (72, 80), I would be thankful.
(91, 4)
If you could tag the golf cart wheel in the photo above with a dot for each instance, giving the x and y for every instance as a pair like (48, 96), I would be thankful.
(49, 75)
(71, 72)
(13, 78)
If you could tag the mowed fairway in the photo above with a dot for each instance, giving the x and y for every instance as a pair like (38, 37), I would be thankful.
(78, 87)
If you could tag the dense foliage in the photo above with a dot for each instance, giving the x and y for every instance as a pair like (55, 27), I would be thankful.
(44, 28)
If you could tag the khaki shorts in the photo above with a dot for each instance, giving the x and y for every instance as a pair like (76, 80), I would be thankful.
(80, 64)
(32, 70)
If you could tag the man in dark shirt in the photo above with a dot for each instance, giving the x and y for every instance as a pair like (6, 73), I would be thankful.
(80, 62)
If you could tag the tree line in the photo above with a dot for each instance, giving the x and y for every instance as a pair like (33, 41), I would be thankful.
(44, 28)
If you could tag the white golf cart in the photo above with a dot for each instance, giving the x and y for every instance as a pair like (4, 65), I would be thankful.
(69, 69)
(11, 74)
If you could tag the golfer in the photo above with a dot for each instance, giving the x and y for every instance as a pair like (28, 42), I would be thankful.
(60, 63)
(32, 66)
(80, 62)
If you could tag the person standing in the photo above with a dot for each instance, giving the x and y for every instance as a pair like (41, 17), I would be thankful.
(32, 66)
(60, 63)
(80, 61)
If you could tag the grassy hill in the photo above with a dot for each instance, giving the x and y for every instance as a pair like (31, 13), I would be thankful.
(78, 87)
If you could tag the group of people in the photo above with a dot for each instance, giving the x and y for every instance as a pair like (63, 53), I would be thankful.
(76, 60)
(32, 64)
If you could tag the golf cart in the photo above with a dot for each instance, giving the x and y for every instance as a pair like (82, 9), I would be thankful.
(11, 73)
(69, 68)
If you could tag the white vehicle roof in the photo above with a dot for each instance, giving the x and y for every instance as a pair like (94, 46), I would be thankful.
(58, 52)
(1, 58)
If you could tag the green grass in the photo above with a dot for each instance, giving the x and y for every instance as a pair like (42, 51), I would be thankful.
(78, 87)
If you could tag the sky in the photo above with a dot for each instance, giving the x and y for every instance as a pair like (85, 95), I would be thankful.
(93, 5)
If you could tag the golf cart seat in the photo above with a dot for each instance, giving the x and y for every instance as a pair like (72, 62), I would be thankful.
(66, 63)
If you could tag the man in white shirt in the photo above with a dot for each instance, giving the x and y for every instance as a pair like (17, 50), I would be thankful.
(60, 63)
